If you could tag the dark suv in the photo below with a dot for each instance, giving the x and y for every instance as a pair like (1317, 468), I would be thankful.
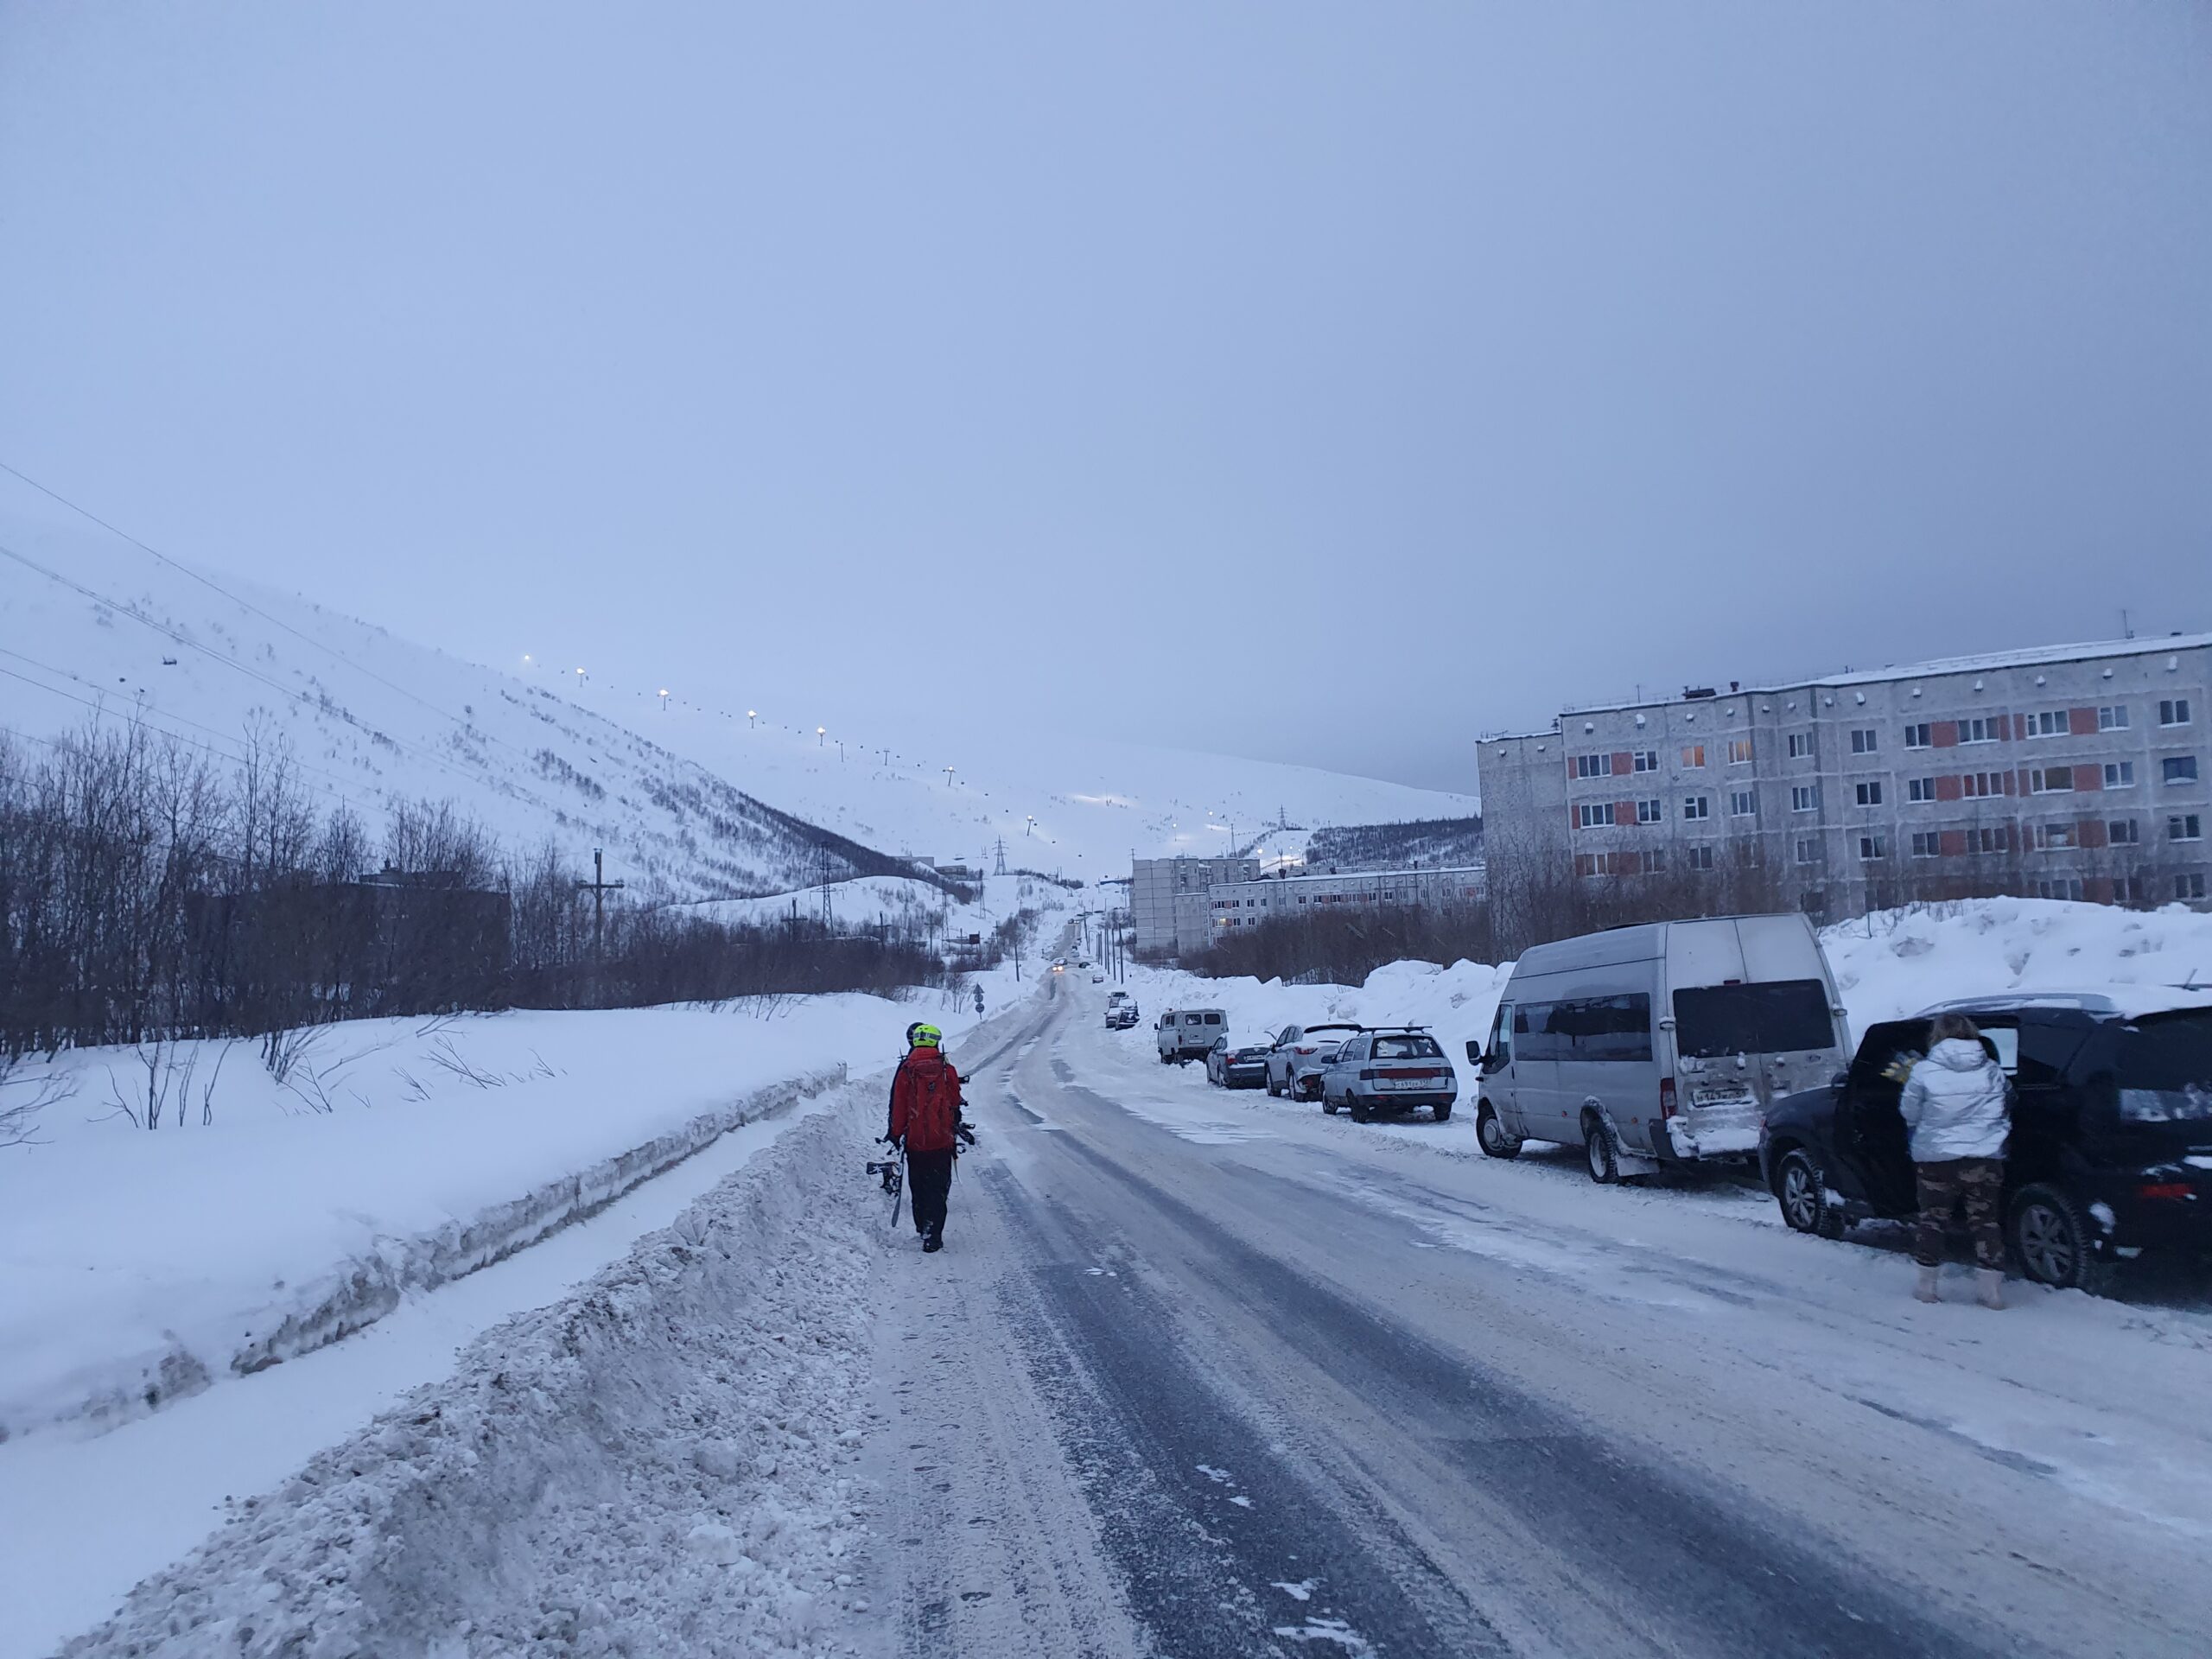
(2111, 1151)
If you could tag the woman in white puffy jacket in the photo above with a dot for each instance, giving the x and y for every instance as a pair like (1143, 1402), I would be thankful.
(1957, 1113)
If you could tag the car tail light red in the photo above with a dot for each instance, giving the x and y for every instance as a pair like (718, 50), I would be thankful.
(1666, 1097)
(2165, 1189)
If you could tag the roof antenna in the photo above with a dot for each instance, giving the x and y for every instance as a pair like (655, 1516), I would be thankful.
(2126, 628)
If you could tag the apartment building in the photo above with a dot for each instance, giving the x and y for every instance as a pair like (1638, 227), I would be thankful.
(1289, 897)
(2079, 772)
(1169, 911)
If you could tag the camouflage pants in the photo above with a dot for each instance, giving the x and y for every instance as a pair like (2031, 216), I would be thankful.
(1980, 1183)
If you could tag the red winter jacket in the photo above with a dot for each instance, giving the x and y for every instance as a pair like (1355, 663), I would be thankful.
(925, 1100)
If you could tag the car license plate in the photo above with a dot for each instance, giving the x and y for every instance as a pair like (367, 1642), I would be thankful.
(1721, 1093)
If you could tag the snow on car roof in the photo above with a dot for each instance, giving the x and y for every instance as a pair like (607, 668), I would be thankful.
(2120, 1001)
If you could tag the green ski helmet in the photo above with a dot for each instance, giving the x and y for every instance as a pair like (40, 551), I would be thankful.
(922, 1036)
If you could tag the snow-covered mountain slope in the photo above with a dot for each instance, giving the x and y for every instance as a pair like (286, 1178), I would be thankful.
(92, 626)
(1082, 810)
(708, 801)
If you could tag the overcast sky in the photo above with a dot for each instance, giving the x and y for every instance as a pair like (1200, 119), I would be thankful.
(1314, 382)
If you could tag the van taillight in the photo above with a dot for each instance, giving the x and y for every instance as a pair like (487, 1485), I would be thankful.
(1666, 1097)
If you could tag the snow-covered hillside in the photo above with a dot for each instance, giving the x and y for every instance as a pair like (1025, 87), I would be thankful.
(92, 626)
(707, 800)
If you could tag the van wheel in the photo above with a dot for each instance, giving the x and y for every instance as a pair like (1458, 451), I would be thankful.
(1361, 1113)
(2055, 1241)
(1491, 1134)
(1443, 1111)
(1597, 1147)
(1801, 1191)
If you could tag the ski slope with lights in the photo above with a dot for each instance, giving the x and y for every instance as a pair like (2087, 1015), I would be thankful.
(700, 802)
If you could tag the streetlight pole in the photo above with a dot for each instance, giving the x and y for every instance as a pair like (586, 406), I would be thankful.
(821, 737)
(664, 699)
(752, 718)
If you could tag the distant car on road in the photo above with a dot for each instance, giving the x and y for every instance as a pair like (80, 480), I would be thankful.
(1097, 979)
(1391, 1069)
(1187, 1033)
(1237, 1068)
(2112, 1110)
(1298, 1049)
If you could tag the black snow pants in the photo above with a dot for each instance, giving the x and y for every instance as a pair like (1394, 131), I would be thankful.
(929, 1179)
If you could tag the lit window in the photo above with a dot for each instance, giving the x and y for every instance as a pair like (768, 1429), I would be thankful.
(1693, 755)
(1739, 751)
(1869, 794)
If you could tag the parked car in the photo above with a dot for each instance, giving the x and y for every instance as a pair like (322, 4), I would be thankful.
(1125, 1016)
(1187, 1033)
(2111, 1150)
(1098, 978)
(1298, 1049)
(1306, 1080)
(1394, 1069)
(1237, 1068)
(1661, 1044)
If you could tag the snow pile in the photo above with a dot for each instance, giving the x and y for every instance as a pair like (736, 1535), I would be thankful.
(1898, 962)
(135, 1266)
(663, 1463)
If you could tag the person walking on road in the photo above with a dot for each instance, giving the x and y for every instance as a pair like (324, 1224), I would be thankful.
(926, 1123)
(1956, 1110)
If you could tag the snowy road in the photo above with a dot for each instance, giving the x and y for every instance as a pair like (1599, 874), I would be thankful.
(1204, 1375)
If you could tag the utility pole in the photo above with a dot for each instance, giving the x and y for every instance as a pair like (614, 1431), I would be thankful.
(599, 886)
(1001, 868)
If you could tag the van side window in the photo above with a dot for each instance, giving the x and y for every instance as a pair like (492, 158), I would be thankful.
(1592, 1028)
(1213, 1018)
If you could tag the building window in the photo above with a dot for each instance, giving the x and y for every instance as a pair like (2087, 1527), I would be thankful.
(1697, 806)
(2049, 723)
(1739, 751)
(1742, 804)
(1808, 849)
(2053, 838)
(2120, 774)
(2124, 832)
(1979, 785)
(1646, 760)
(2188, 886)
(2113, 719)
(1594, 815)
(2184, 826)
(1801, 744)
(1927, 843)
(1920, 789)
(2059, 887)
(1648, 812)
(2050, 781)
(1693, 756)
(1874, 847)
(1593, 766)
(1977, 731)
(1698, 858)
(1805, 798)
(2178, 769)
(1863, 740)
(1918, 737)
(1655, 861)
(1869, 794)
(1992, 839)
(2173, 711)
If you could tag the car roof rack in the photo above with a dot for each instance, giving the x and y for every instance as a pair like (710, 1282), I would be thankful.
(2086, 1002)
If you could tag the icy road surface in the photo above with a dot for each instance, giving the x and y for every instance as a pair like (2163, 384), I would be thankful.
(1201, 1374)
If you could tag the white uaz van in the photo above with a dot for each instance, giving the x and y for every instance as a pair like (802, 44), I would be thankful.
(1660, 1044)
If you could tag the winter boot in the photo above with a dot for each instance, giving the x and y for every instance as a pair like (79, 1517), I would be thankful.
(1924, 1289)
(1989, 1287)
(935, 1241)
